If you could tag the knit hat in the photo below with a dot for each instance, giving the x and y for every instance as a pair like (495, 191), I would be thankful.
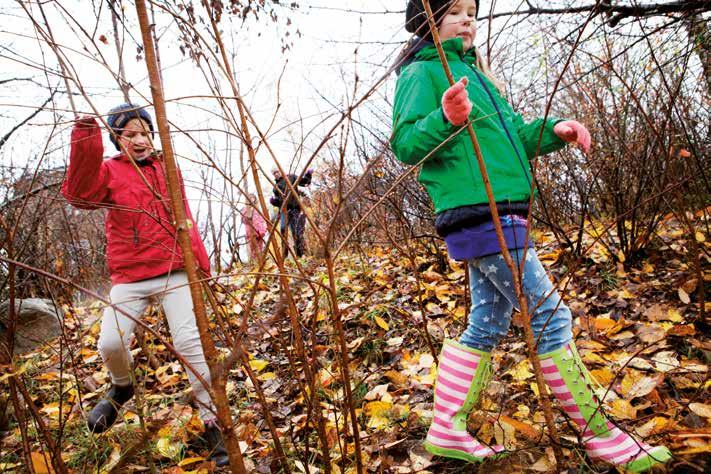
(120, 116)
(416, 17)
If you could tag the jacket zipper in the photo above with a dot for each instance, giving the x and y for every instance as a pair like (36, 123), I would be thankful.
(501, 119)
(135, 236)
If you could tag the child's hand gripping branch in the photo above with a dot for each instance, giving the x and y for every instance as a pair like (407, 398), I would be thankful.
(573, 132)
(456, 104)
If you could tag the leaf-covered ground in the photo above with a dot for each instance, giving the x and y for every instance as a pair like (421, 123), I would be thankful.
(637, 324)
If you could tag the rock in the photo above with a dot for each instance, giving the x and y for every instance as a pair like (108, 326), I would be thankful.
(37, 322)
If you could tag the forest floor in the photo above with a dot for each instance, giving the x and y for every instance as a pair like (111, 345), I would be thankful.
(637, 324)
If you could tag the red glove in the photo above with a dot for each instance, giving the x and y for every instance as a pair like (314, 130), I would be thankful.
(573, 132)
(87, 121)
(456, 104)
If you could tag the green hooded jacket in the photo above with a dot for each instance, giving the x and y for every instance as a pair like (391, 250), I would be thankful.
(450, 173)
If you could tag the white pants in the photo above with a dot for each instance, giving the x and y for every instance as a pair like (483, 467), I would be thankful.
(173, 293)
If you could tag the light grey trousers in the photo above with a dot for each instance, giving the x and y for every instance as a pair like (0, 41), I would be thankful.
(173, 293)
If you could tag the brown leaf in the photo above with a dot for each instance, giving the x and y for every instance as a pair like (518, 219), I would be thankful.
(683, 330)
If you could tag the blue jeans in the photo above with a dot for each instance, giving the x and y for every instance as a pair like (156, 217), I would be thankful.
(493, 297)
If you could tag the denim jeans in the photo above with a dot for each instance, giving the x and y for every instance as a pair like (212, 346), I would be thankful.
(493, 298)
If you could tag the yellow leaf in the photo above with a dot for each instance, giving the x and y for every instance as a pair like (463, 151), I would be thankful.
(622, 409)
(700, 237)
(188, 461)
(168, 449)
(603, 376)
(267, 376)
(505, 435)
(382, 323)
(258, 364)
(674, 316)
(378, 413)
(41, 463)
(621, 256)
(521, 371)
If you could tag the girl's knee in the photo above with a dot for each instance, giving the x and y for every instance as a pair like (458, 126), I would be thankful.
(111, 345)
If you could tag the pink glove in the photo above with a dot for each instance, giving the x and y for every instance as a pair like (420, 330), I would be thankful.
(573, 132)
(456, 104)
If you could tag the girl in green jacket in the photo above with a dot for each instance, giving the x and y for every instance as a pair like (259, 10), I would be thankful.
(429, 119)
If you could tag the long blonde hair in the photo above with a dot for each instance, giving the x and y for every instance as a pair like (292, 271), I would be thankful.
(483, 66)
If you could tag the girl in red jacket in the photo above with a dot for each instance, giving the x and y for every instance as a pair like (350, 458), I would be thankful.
(144, 258)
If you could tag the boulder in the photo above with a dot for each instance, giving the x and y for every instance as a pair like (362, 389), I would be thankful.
(37, 322)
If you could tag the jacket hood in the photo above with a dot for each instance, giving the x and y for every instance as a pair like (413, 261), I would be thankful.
(421, 49)
(408, 53)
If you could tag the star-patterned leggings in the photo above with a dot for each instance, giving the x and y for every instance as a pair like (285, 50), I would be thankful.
(493, 298)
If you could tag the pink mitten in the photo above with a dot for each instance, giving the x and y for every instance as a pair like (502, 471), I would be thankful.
(456, 104)
(573, 132)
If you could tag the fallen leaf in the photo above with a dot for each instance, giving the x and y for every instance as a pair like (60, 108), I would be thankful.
(382, 323)
(665, 361)
(258, 365)
(521, 371)
(622, 409)
(377, 392)
(683, 296)
(653, 426)
(701, 409)
(168, 448)
(603, 376)
(426, 361)
(378, 413)
(41, 463)
(635, 384)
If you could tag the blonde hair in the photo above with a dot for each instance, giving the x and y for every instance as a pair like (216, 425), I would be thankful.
(483, 66)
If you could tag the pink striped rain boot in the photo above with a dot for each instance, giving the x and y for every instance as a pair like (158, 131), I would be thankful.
(571, 384)
(461, 376)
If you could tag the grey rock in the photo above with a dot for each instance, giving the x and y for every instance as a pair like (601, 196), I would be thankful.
(37, 322)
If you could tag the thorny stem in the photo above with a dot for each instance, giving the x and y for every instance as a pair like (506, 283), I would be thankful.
(182, 225)
(296, 328)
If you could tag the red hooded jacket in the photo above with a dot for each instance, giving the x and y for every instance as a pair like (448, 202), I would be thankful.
(140, 233)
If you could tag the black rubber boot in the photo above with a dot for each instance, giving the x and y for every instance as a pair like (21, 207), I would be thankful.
(215, 445)
(105, 412)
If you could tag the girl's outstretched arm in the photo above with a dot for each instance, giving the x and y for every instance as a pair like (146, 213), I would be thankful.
(530, 132)
(86, 183)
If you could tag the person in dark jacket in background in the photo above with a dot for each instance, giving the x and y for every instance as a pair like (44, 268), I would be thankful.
(290, 212)
(143, 256)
